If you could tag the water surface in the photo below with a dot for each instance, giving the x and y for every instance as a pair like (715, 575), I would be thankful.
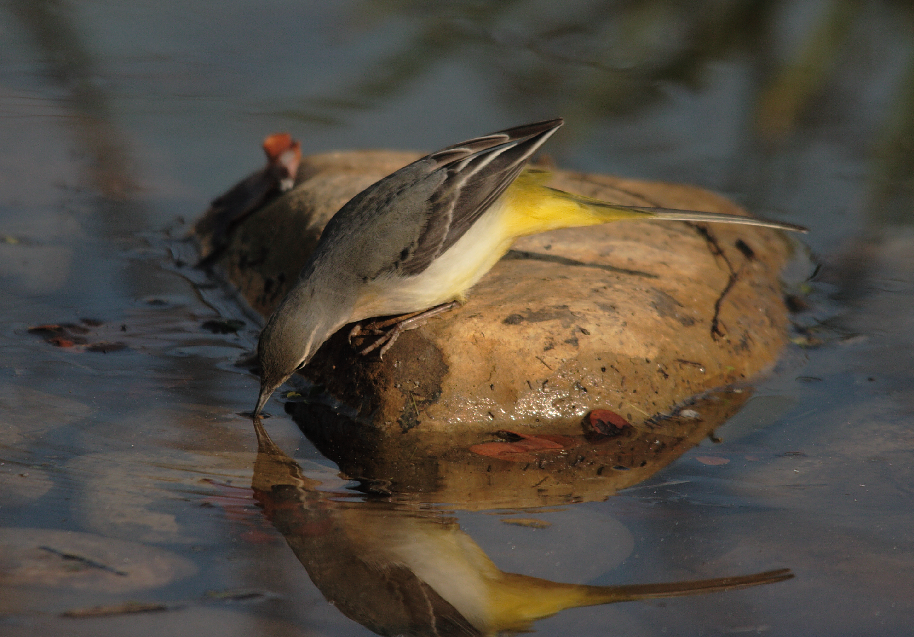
(125, 467)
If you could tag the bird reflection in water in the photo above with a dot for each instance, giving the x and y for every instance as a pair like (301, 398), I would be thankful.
(401, 570)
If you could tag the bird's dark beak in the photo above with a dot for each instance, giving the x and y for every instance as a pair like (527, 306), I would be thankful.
(265, 393)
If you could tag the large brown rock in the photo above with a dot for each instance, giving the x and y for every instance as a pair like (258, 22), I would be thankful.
(634, 317)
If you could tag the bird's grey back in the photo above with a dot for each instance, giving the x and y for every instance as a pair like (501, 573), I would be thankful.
(380, 226)
(401, 224)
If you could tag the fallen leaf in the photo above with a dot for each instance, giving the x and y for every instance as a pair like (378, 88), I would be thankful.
(47, 328)
(607, 423)
(71, 335)
(60, 341)
(502, 451)
(519, 446)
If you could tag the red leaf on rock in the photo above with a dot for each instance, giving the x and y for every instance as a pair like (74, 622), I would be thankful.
(607, 423)
(503, 451)
(520, 446)
(563, 442)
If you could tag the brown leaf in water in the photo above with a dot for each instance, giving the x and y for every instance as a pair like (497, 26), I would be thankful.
(46, 329)
(71, 336)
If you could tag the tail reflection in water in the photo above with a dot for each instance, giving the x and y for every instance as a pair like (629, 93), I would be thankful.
(396, 569)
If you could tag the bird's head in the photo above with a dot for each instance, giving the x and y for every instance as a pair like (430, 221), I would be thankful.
(287, 343)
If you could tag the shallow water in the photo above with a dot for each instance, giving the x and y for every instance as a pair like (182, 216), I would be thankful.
(125, 467)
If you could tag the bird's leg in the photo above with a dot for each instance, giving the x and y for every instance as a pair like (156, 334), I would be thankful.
(388, 330)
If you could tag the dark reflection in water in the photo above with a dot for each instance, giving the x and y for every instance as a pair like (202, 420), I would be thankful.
(410, 570)
(443, 467)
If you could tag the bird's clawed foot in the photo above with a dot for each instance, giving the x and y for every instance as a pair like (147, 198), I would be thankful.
(389, 329)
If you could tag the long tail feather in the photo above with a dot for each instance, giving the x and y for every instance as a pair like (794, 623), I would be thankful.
(695, 587)
(607, 212)
(669, 214)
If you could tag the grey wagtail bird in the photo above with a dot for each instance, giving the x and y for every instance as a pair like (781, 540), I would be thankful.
(424, 235)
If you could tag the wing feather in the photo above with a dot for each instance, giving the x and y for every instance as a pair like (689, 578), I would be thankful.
(476, 173)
